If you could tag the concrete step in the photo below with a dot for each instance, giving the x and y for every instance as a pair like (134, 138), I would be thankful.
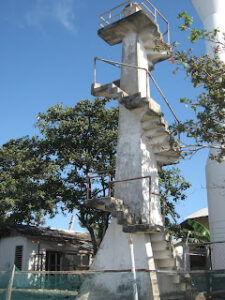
(167, 157)
(163, 255)
(160, 141)
(116, 93)
(150, 35)
(159, 236)
(109, 90)
(160, 245)
(168, 263)
(153, 40)
(109, 204)
(157, 131)
(134, 101)
(182, 286)
(152, 122)
(152, 109)
(124, 218)
(155, 56)
(176, 278)
(147, 228)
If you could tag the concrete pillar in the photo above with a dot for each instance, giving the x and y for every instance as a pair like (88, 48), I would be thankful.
(133, 53)
(135, 158)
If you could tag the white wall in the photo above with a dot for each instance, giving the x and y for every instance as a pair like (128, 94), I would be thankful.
(30, 248)
(7, 252)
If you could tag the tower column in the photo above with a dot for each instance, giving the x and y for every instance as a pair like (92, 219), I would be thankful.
(133, 53)
(144, 145)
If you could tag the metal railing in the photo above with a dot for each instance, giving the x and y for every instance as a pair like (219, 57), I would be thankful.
(202, 250)
(93, 175)
(148, 73)
(165, 210)
(117, 12)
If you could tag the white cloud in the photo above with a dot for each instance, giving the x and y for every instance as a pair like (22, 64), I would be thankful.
(44, 11)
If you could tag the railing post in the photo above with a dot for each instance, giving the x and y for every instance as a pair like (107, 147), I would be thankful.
(146, 83)
(168, 34)
(133, 270)
(95, 62)
(9, 290)
(150, 196)
(186, 253)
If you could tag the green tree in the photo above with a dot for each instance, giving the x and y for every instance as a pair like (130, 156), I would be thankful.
(81, 140)
(173, 188)
(198, 232)
(205, 124)
(48, 175)
(29, 182)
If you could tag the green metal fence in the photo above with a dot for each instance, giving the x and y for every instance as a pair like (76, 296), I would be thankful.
(98, 285)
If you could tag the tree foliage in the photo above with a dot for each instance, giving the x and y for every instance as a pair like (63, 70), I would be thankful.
(206, 128)
(198, 233)
(30, 184)
(173, 187)
(48, 174)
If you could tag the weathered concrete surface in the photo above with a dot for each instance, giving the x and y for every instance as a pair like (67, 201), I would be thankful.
(136, 157)
(115, 286)
(114, 251)
(134, 80)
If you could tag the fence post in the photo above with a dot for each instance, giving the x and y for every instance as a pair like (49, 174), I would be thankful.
(135, 291)
(150, 198)
(186, 254)
(9, 290)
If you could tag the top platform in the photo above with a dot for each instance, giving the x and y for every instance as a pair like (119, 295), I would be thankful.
(137, 22)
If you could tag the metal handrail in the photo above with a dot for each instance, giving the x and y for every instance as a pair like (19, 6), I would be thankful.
(103, 174)
(107, 16)
(93, 175)
(148, 73)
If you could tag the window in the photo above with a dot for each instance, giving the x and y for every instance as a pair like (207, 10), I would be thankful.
(53, 260)
(18, 257)
(86, 259)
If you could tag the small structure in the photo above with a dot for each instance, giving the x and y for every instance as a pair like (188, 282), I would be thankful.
(195, 256)
(33, 248)
(201, 216)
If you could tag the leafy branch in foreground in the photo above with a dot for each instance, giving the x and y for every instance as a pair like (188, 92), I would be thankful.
(173, 187)
(206, 128)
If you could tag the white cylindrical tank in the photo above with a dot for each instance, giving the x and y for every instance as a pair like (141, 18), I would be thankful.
(212, 15)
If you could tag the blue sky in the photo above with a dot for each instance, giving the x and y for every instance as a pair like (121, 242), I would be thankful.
(46, 57)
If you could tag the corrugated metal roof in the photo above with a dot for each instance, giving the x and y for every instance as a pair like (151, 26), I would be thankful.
(198, 214)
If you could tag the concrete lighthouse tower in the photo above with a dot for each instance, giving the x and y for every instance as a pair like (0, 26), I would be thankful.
(211, 13)
(144, 146)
